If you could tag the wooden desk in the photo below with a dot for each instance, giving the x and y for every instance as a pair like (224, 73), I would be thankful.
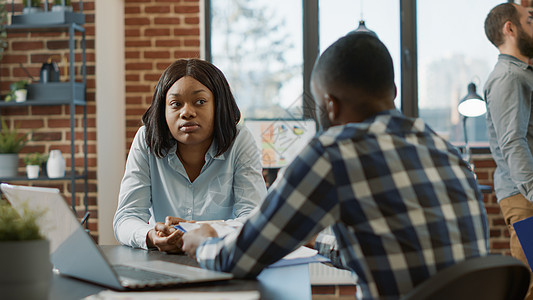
(273, 283)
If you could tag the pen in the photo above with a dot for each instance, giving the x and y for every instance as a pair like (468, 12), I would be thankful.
(178, 227)
(84, 219)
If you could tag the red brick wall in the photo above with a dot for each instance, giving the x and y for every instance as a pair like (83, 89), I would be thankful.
(499, 235)
(158, 32)
(49, 126)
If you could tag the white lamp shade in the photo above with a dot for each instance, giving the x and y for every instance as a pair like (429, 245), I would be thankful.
(472, 108)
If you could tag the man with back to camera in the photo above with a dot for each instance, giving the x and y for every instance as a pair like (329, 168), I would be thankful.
(401, 201)
(509, 95)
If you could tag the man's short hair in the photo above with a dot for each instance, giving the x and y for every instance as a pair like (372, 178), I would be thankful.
(359, 61)
(496, 18)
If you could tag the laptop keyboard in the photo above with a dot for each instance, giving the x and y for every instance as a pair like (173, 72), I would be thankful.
(139, 278)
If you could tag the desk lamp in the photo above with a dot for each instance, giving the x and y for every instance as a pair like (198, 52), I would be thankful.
(472, 105)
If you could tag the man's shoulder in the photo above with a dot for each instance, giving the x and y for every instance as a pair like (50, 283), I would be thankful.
(381, 124)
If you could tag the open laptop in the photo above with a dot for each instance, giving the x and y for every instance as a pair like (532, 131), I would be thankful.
(74, 253)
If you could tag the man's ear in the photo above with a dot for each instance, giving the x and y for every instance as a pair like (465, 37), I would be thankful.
(509, 28)
(333, 107)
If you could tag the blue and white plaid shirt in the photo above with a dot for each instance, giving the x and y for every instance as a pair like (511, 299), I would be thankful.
(401, 201)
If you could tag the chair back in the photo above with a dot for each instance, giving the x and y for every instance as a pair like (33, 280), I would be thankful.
(492, 277)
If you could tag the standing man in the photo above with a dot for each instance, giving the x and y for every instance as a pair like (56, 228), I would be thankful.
(509, 95)
(401, 201)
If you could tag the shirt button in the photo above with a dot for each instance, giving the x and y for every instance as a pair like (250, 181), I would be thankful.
(189, 211)
(190, 185)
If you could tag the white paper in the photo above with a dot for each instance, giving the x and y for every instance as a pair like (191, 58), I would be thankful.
(166, 295)
(222, 228)
(301, 252)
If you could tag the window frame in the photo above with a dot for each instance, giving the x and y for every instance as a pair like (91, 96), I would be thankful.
(310, 19)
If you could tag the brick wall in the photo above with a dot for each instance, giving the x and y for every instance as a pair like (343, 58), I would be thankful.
(49, 126)
(499, 235)
(158, 32)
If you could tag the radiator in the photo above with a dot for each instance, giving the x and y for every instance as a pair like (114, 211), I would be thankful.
(321, 274)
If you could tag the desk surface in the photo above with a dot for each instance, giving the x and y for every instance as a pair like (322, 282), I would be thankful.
(273, 283)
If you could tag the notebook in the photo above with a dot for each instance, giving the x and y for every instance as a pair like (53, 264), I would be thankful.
(75, 254)
(524, 231)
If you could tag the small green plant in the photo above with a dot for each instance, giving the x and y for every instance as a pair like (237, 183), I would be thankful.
(35, 159)
(59, 2)
(10, 139)
(16, 227)
(15, 86)
(32, 3)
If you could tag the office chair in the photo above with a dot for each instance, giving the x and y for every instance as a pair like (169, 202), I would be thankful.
(493, 277)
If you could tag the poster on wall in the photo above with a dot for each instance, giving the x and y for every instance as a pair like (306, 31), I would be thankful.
(280, 140)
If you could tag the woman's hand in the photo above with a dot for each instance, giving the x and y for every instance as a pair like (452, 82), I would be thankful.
(165, 238)
(193, 239)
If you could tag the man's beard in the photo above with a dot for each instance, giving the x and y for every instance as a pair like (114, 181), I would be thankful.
(525, 43)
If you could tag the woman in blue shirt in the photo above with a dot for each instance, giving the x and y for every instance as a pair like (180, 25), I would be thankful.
(190, 159)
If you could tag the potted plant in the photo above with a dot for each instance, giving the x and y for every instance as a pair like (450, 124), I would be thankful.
(32, 6)
(11, 142)
(62, 5)
(24, 255)
(33, 163)
(18, 91)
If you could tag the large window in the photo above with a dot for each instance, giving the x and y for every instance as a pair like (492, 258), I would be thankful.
(258, 46)
(438, 48)
(338, 17)
(452, 52)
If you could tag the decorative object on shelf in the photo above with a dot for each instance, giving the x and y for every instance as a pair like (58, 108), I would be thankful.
(24, 255)
(33, 163)
(58, 14)
(32, 6)
(18, 91)
(55, 167)
(62, 5)
(11, 142)
(49, 71)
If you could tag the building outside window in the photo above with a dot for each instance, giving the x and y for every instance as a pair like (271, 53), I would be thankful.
(258, 44)
(452, 52)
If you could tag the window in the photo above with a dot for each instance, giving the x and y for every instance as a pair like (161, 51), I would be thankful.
(438, 48)
(258, 46)
(452, 52)
(338, 17)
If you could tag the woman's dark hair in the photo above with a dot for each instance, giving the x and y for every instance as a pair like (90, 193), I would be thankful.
(227, 114)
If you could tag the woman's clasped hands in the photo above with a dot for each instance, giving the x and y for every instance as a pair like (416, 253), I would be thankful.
(165, 237)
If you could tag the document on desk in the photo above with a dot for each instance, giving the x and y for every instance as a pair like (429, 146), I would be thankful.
(222, 228)
(302, 255)
(166, 295)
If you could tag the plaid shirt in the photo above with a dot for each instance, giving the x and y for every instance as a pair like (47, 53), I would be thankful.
(401, 203)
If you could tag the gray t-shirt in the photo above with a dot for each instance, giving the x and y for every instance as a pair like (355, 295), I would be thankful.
(509, 94)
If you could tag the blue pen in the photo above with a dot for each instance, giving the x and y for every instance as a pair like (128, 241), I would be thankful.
(178, 227)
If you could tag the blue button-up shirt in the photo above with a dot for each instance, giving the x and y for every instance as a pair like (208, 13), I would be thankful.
(509, 96)
(229, 186)
(401, 201)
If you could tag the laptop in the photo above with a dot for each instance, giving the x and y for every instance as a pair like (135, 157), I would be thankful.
(524, 230)
(75, 254)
